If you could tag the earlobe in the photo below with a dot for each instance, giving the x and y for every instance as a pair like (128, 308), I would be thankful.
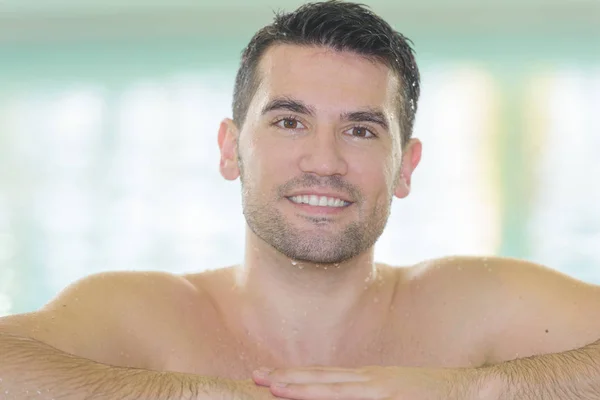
(402, 189)
(227, 140)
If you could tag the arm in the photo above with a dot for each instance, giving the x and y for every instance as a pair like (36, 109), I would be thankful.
(101, 339)
(573, 375)
(30, 369)
(543, 339)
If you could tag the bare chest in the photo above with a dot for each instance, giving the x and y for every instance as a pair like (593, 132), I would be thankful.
(217, 352)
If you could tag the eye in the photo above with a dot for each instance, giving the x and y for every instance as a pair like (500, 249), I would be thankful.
(361, 132)
(289, 123)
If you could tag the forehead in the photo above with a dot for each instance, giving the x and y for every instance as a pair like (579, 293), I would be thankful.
(328, 79)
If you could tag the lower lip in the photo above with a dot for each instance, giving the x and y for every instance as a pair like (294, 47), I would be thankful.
(322, 210)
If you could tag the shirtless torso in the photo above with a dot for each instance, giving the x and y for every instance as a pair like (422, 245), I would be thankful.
(413, 326)
(455, 312)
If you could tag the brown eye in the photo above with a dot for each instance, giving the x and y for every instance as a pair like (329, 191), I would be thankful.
(289, 123)
(361, 131)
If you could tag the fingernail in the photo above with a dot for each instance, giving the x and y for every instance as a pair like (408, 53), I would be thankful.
(263, 372)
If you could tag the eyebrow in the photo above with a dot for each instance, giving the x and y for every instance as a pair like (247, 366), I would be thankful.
(286, 103)
(373, 115)
(370, 115)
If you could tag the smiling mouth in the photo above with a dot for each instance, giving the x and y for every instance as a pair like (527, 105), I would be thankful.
(319, 201)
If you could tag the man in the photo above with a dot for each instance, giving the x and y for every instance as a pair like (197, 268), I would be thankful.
(323, 111)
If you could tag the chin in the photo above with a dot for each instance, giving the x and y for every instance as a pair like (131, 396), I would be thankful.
(319, 251)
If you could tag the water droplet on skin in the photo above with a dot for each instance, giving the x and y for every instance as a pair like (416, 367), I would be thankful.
(305, 313)
(376, 300)
(283, 321)
(337, 265)
(324, 267)
(294, 262)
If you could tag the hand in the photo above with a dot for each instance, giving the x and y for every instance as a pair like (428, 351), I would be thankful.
(246, 390)
(369, 383)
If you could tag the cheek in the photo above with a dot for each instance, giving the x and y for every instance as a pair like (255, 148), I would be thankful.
(377, 181)
(266, 166)
(388, 170)
(281, 151)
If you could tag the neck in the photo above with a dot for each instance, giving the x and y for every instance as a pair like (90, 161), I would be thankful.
(304, 309)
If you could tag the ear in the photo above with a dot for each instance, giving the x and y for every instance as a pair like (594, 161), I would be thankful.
(411, 155)
(228, 136)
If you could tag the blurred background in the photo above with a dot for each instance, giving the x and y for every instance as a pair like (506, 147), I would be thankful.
(108, 136)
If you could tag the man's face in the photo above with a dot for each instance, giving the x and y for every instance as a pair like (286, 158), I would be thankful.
(323, 125)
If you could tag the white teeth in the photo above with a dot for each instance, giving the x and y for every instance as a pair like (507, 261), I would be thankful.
(322, 201)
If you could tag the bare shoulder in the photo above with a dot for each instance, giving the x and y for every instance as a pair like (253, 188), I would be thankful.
(503, 275)
(529, 309)
(106, 316)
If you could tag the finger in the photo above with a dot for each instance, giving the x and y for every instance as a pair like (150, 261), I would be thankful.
(326, 391)
(308, 375)
(261, 376)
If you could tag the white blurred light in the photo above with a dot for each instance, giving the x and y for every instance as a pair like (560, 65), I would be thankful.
(451, 209)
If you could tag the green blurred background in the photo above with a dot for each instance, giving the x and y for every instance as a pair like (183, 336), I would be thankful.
(109, 113)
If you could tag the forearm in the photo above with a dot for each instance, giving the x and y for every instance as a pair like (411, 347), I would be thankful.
(573, 375)
(32, 370)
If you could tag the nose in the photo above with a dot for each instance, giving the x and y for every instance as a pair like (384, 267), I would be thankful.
(322, 155)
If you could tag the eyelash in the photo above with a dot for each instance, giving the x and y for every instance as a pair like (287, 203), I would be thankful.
(293, 118)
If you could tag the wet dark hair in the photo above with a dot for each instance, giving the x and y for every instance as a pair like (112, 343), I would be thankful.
(342, 26)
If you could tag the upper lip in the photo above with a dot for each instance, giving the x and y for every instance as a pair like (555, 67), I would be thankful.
(317, 192)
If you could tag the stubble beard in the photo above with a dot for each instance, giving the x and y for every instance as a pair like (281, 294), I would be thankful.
(322, 242)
